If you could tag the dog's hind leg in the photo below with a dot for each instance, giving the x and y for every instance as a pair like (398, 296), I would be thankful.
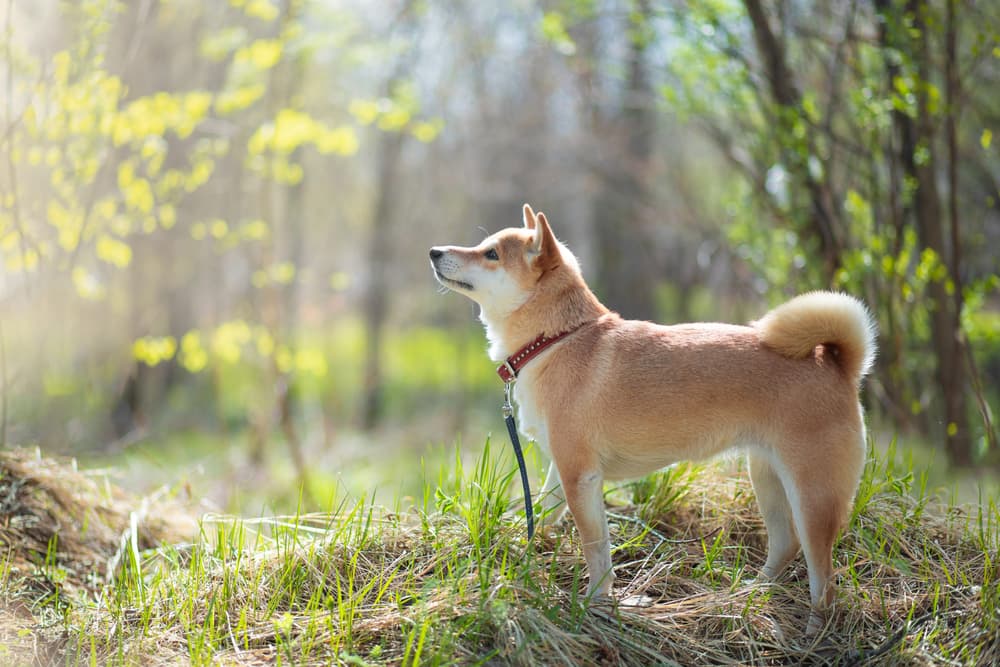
(782, 542)
(551, 497)
(818, 523)
(823, 490)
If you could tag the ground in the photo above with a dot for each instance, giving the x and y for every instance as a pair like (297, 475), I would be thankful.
(94, 574)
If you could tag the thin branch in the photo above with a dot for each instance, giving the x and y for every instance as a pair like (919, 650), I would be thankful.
(836, 69)
(3, 389)
(9, 121)
(725, 143)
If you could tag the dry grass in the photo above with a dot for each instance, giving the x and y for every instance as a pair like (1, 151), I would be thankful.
(454, 581)
(63, 533)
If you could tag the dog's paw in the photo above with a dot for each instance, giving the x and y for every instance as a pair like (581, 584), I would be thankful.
(765, 576)
(759, 580)
(817, 625)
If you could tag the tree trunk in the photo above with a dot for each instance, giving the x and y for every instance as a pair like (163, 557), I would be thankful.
(287, 309)
(823, 219)
(289, 313)
(627, 275)
(930, 222)
(945, 323)
(388, 149)
(953, 95)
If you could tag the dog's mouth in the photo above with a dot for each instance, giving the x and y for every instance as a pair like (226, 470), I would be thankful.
(451, 282)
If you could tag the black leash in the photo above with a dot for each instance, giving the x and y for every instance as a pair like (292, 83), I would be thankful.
(508, 416)
(508, 373)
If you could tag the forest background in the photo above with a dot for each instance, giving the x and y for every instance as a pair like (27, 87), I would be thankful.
(214, 216)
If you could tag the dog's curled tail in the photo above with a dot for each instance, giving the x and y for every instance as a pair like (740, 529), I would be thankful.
(838, 322)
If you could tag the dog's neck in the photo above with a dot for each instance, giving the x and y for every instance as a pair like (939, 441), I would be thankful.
(561, 301)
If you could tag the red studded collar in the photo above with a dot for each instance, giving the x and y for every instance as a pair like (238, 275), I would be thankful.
(513, 364)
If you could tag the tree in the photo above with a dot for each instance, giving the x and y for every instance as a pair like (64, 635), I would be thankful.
(858, 128)
(125, 171)
(917, 133)
(627, 267)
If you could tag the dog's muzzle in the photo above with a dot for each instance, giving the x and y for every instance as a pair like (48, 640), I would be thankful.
(443, 265)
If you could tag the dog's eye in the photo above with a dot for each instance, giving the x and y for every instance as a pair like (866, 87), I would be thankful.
(491, 254)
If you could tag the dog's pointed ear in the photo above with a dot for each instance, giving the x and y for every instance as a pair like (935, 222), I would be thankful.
(529, 217)
(545, 245)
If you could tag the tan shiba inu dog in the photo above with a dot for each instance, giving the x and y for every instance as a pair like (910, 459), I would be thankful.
(616, 398)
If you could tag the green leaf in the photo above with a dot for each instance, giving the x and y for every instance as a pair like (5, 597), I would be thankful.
(810, 108)
(365, 111)
(193, 356)
(113, 251)
(139, 195)
(254, 230)
(394, 119)
(311, 361)
(338, 140)
(231, 101)
(217, 45)
(152, 350)
(261, 9)
(87, 285)
(553, 27)
(292, 128)
(263, 54)
(427, 131)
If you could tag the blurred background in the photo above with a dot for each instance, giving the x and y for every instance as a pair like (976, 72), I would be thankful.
(215, 215)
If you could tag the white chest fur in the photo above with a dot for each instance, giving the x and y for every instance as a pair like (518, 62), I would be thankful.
(530, 420)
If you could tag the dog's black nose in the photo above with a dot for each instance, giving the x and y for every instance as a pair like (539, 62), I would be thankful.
(435, 253)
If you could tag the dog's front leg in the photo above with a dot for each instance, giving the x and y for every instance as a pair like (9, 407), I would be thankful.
(552, 498)
(585, 497)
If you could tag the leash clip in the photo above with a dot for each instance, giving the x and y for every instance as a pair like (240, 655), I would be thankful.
(507, 408)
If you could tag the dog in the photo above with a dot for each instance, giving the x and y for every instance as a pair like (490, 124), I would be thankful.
(610, 398)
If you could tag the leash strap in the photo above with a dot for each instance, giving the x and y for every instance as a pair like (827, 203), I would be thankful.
(508, 371)
(508, 416)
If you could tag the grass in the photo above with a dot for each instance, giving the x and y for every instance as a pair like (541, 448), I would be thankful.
(92, 575)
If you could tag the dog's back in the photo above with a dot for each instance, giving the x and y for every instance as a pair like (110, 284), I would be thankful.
(652, 395)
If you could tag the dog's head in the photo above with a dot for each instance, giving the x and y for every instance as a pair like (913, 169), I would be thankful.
(501, 272)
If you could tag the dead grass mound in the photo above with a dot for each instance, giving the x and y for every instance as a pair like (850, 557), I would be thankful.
(63, 534)
(455, 582)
